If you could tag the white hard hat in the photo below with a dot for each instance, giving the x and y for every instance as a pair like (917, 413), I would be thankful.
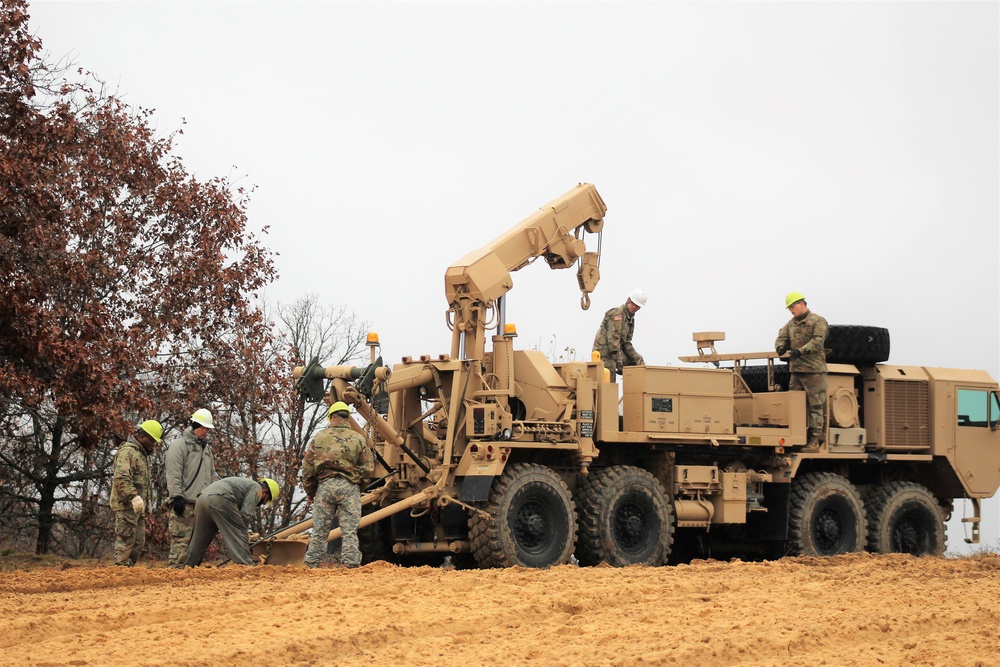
(638, 297)
(203, 417)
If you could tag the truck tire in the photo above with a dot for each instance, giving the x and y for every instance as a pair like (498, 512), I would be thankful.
(531, 523)
(826, 516)
(374, 543)
(904, 517)
(625, 518)
(857, 345)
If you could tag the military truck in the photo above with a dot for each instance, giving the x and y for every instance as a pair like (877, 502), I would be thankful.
(505, 457)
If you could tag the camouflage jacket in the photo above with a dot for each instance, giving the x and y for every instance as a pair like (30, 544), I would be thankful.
(806, 333)
(188, 466)
(337, 450)
(131, 475)
(614, 338)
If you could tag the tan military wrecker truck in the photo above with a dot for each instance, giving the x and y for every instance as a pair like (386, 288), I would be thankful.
(500, 454)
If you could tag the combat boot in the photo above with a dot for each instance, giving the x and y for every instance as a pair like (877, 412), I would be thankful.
(812, 447)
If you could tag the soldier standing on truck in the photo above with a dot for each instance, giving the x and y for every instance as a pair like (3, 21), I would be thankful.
(130, 486)
(614, 337)
(336, 462)
(226, 507)
(189, 468)
(804, 338)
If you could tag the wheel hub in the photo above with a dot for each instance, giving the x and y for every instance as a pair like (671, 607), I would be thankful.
(828, 531)
(909, 538)
(531, 526)
(630, 526)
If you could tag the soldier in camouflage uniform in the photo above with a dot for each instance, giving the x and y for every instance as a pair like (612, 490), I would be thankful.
(188, 467)
(130, 486)
(804, 338)
(227, 507)
(614, 337)
(336, 462)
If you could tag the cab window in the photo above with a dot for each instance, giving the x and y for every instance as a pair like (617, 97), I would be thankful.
(975, 407)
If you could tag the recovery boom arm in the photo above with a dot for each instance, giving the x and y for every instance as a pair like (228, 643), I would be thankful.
(475, 283)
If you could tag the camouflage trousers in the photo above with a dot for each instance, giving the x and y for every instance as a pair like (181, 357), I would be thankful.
(335, 497)
(814, 384)
(130, 537)
(180, 528)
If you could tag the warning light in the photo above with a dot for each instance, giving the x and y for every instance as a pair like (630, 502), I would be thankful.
(510, 330)
(372, 338)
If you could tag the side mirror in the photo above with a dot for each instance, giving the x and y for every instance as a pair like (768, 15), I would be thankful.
(994, 411)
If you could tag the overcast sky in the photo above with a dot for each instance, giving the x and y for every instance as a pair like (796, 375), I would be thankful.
(845, 150)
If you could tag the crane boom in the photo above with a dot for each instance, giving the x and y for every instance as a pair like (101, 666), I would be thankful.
(475, 283)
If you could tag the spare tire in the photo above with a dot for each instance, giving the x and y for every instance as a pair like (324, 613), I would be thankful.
(756, 377)
(857, 345)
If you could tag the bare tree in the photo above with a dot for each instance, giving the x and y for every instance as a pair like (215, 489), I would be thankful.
(332, 335)
(265, 422)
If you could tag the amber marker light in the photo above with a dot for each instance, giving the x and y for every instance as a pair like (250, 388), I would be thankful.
(510, 330)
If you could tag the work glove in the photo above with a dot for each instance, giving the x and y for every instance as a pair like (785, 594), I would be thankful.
(138, 506)
(178, 503)
(794, 354)
(253, 537)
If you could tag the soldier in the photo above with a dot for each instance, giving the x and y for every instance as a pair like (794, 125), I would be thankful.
(336, 462)
(614, 338)
(189, 468)
(226, 507)
(804, 338)
(130, 485)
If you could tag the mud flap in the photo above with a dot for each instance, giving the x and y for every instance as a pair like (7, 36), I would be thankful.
(773, 524)
(476, 487)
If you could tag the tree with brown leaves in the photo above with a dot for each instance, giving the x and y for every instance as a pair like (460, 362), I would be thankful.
(126, 285)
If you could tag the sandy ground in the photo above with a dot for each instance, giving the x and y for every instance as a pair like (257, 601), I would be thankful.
(859, 609)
